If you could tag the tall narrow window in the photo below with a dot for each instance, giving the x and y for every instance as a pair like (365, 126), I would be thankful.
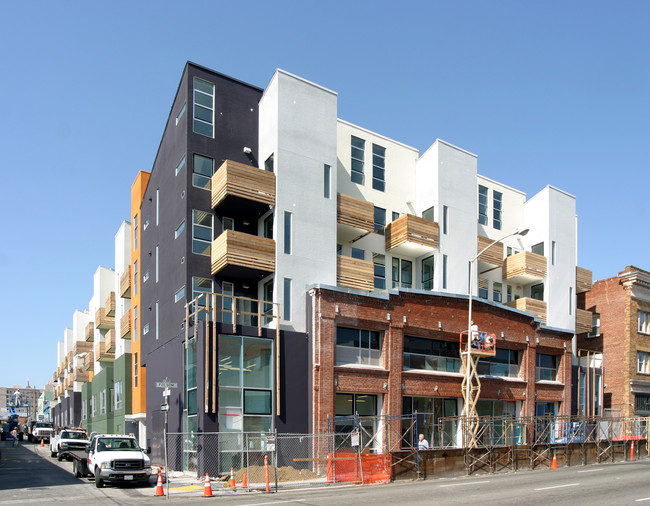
(157, 260)
(508, 293)
(157, 319)
(135, 232)
(181, 113)
(287, 232)
(402, 273)
(157, 206)
(595, 325)
(395, 215)
(180, 165)
(553, 252)
(483, 288)
(268, 226)
(228, 293)
(427, 273)
(135, 370)
(180, 294)
(357, 159)
(267, 291)
(643, 322)
(570, 300)
(379, 262)
(445, 217)
(380, 220)
(496, 291)
(327, 176)
(378, 167)
(202, 170)
(287, 299)
(135, 323)
(179, 230)
(269, 164)
(482, 205)
(135, 278)
(203, 107)
(444, 272)
(201, 232)
(497, 199)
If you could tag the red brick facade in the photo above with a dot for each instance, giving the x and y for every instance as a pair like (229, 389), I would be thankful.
(435, 317)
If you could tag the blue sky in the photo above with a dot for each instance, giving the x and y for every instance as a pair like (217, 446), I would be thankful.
(543, 92)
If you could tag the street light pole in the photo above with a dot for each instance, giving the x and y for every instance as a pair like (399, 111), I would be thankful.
(468, 386)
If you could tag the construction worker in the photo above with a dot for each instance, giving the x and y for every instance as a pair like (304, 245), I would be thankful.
(14, 433)
(423, 444)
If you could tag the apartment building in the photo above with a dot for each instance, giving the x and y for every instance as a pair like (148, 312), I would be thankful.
(620, 341)
(333, 269)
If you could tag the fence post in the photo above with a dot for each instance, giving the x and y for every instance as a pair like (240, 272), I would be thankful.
(275, 459)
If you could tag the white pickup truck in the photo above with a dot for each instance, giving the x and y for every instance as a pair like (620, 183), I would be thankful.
(68, 440)
(117, 459)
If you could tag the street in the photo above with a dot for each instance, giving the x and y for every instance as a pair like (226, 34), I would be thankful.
(29, 475)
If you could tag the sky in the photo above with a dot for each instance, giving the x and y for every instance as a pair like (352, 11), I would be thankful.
(545, 93)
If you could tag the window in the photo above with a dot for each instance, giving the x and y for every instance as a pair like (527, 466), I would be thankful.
(431, 354)
(643, 321)
(269, 164)
(552, 252)
(287, 232)
(378, 168)
(395, 215)
(181, 113)
(508, 293)
(118, 395)
(537, 292)
(642, 361)
(402, 273)
(157, 316)
(357, 253)
(357, 154)
(327, 176)
(93, 405)
(157, 261)
(145, 225)
(570, 300)
(505, 363)
(268, 226)
(135, 323)
(482, 205)
(180, 165)
(145, 277)
(201, 286)
(380, 220)
(179, 230)
(595, 325)
(190, 376)
(102, 402)
(497, 198)
(538, 248)
(427, 214)
(546, 367)
(203, 107)
(228, 223)
(180, 294)
(227, 294)
(135, 232)
(202, 170)
(339, 249)
(496, 292)
(483, 288)
(379, 262)
(157, 206)
(135, 278)
(135, 369)
(267, 291)
(358, 346)
(145, 329)
(201, 232)
(359, 404)
(427, 273)
(444, 272)
(287, 299)
(445, 219)
(84, 410)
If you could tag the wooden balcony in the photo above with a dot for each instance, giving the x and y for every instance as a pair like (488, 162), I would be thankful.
(125, 283)
(101, 354)
(81, 347)
(68, 383)
(493, 256)
(90, 332)
(103, 321)
(355, 273)
(239, 186)
(60, 371)
(355, 217)
(584, 321)
(583, 280)
(109, 304)
(125, 325)
(525, 267)
(69, 358)
(242, 255)
(528, 305)
(412, 236)
(80, 374)
(109, 342)
(89, 361)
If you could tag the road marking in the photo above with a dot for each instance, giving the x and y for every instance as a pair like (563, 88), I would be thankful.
(559, 486)
(591, 470)
(274, 502)
(644, 499)
(463, 484)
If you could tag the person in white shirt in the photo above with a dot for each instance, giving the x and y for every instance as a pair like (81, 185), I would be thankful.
(423, 444)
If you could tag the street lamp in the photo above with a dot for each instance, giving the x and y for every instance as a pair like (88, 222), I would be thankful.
(466, 406)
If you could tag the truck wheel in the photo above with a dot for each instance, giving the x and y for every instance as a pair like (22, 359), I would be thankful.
(99, 483)
(52, 454)
(75, 469)
(59, 457)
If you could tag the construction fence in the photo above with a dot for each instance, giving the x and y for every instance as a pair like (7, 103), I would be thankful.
(376, 449)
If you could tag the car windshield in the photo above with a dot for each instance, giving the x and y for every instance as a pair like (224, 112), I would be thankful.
(73, 435)
(117, 444)
(43, 426)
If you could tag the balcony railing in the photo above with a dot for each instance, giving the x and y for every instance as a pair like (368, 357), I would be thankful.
(355, 217)
(412, 236)
(584, 321)
(89, 361)
(109, 304)
(125, 283)
(238, 249)
(101, 350)
(68, 383)
(417, 361)
(125, 325)
(80, 374)
(242, 181)
(487, 368)
(528, 305)
(355, 273)
(109, 341)
(90, 332)
(493, 255)
(348, 355)
(583, 280)
(102, 320)
(524, 267)
(69, 358)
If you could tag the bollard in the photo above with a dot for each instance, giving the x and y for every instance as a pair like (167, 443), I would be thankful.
(266, 472)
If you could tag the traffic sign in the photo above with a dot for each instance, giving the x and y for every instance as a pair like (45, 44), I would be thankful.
(166, 384)
(164, 407)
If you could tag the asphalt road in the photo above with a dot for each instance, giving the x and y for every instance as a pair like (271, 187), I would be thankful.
(28, 475)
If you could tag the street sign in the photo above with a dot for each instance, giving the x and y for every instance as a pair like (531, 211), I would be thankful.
(166, 384)
(270, 443)
(164, 407)
(355, 438)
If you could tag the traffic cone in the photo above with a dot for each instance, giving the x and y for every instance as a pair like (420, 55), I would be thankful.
(554, 462)
(632, 451)
(43, 444)
(244, 482)
(207, 489)
(159, 485)
(233, 485)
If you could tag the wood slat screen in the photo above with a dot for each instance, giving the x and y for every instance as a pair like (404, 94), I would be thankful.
(493, 255)
(583, 280)
(584, 321)
(524, 263)
(355, 273)
(409, 228)
(245, 181)
(125, 283)
(243, 250)
(528, 305)
(355, 212)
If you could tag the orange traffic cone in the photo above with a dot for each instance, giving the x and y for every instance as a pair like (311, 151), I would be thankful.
(207, 489)
(554, 462)
(244, 482)
(233, 485)
(159, 485)
(632, 451)
(43, 444)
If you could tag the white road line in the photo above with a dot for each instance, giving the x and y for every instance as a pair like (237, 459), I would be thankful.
(644, 499)
(274, 502)
(559, 486)
(591, 470)
(463, 484)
